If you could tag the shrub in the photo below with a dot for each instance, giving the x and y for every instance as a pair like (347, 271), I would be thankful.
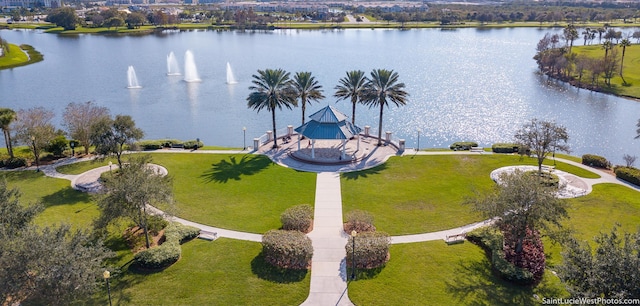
(359, 221)
(150, 144)
(297, 218)
(167, 143)
(491, 240)
(287, 249)
(631, 175)
(463, 145)
(372, 250)
(546, 179)
(169, 252)
(57, 145)
(191, 144)
(155, 224)
(531, 258)
(12, 163)
(595, 161)
(506, 148)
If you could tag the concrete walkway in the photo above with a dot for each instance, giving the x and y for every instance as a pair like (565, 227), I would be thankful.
(328, 271)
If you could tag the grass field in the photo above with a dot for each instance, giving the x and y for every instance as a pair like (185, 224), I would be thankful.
(427, 193)
(631, 68)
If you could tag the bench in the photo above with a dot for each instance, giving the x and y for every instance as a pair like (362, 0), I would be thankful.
(457, 238)
(177, 146)
(207, 235)
(477, 149)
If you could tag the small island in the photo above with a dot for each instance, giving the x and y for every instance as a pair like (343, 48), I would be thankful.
(12, 56)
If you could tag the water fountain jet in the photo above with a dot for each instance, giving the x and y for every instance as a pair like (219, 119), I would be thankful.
(132, 78)
(190, 69)
(172, 64)
(230, 78)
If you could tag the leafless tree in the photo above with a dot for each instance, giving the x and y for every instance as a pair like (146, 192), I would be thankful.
(78, 118)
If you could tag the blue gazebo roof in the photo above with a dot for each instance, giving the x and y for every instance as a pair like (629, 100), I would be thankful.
(328, 123)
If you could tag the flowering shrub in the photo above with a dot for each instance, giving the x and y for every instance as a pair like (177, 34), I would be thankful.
(359, 221)
(371, 250)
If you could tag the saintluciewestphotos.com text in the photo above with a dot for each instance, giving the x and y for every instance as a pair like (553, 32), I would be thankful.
(589, 301)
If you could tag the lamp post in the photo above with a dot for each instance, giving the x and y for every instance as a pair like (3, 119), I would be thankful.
(418, 146)
(72, 144)
(197, 143)
(110, 164)
(353, 255)
(35, 152)
(244, 138)
(106, 274)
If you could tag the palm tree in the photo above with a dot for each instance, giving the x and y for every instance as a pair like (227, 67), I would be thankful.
(351, 87)
(607, 45)
(307, 89)
(7, 116)
(623, 44)
(382, 88)
(271, 89)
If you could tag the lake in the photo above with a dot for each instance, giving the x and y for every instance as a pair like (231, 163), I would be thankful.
(464, 84)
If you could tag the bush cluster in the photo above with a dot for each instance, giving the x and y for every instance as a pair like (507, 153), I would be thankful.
(506, 148)
(545, 178)
(463, 145)
(12, 163)
(167, 143)
(297, 218)
(371, 250)
(155, 224)
(287, 249)
(532, 257)
(359, 221)
(192, 144)
(491, 240)
(629, 174)
(595, 161)
(148, 145)
(169, 252)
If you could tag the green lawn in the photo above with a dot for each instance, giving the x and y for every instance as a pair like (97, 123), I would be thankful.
(63, 203)
(222, 272)
(631, 70)
(240, 192)
(435, 273)
(14, 57)
(417, 194)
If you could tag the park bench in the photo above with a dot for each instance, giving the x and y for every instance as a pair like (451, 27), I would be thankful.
(207, 235)
(477, 149)
(177, 146)
(456, 238)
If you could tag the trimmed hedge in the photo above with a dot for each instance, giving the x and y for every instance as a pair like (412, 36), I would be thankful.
(463, 145)
(12, 163)
(297, 218)
(359, 221)
(169, 252)
(148, 145)
(372, 250)
(629, 174)
(192, 144)
(595, 161)
(505, 148)
(287, 249)
(491, 240)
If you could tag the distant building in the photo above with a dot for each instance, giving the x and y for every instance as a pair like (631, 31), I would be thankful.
(29, 3)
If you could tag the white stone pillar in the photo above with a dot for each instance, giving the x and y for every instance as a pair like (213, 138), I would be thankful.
(289, 130)
(344, 148)
(388, 136)
(366, 130)
(269, 136)
(256, 143)
(401, 145)
(313, 149)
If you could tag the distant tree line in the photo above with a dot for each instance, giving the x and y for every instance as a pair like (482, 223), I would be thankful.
(555, 57)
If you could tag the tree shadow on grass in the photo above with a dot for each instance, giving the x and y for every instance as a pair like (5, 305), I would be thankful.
(266, 271)
(233, 169)
(476, 284)
(65, 196)
(364, 173)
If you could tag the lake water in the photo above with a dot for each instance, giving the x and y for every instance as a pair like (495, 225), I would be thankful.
(465, 84)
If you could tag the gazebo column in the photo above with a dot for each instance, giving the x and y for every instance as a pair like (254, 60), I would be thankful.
(313, 149)
(358, 146)
(344, 148)
(299, 142)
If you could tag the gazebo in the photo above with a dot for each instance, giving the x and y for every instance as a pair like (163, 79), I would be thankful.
(328, 124)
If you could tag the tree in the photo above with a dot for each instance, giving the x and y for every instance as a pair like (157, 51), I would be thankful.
(623, 44)
(114, 22)
(543, 138)
(64, 17)
(521, 202)
(351, 87)
(135, 20)
(609, 272)
(111, 136)
(570, 34)
(382, 88)
(78, 118)
(272, 89)
(51, 266)
(7, 116)
(307, 89)
(129, 193)
(34, 129)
